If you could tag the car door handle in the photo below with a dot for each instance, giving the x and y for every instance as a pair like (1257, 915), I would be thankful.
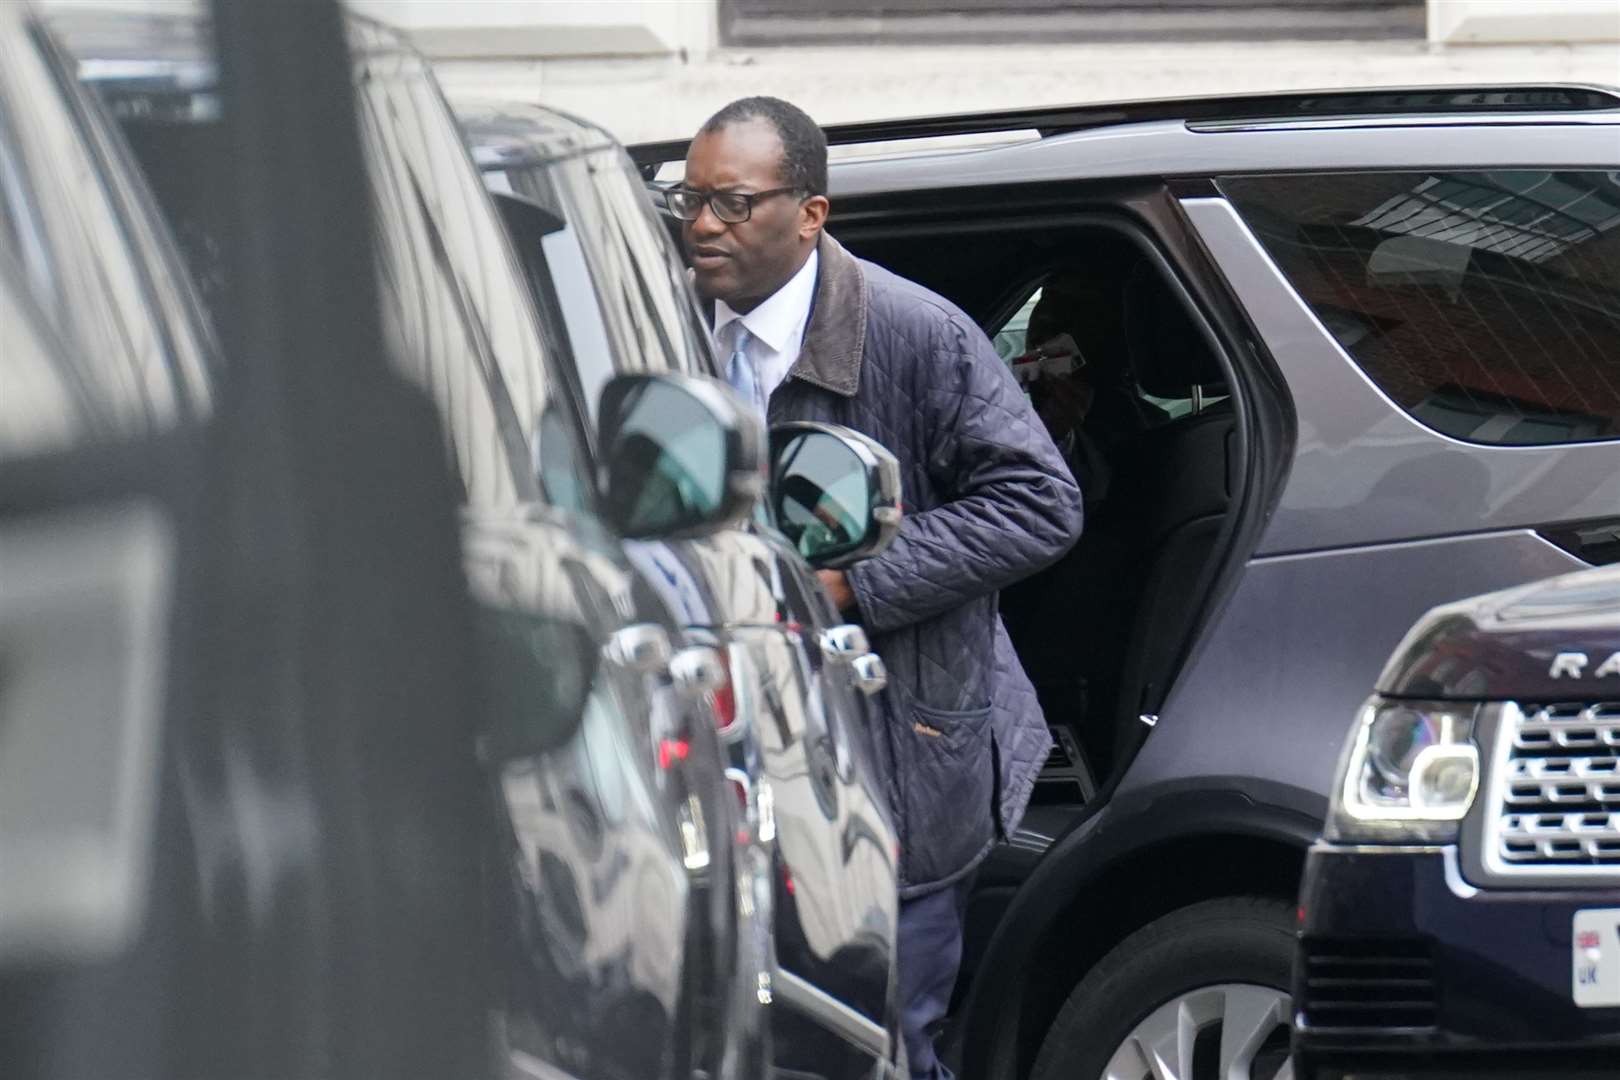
(870, 673)
(698, 671)
(843, 644)
(644, 647)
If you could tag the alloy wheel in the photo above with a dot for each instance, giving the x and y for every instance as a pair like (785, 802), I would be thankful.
(1234, 1031)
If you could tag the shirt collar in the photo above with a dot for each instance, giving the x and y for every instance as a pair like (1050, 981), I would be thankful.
(783, 312)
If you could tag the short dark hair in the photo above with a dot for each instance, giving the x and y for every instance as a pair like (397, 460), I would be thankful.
(804, 146)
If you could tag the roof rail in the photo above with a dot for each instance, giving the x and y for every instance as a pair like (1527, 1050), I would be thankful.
(1053, 120)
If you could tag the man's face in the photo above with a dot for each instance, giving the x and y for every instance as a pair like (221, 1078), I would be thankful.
(744, 263)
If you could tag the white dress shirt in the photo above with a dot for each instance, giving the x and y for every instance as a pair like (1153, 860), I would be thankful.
(775, 327)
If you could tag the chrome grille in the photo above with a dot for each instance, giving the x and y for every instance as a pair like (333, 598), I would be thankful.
(1558, 788)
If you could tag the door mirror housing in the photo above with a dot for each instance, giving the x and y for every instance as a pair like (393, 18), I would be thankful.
(537, 675)
(678, 456)
(834, 493)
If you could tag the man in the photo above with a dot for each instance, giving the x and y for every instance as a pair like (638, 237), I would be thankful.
(812, 333)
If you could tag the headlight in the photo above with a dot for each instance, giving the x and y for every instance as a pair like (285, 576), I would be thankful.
(1408, 773)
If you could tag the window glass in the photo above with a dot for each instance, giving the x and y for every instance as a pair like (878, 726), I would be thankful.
(638, 304)
(92, 285)
(1011, 340)
(1486, 304)
(38, 412)
(453, 290)
(455, 306)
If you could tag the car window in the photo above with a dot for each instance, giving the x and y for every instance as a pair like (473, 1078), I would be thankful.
(38, 413)
(79, 250)
(1486, 304)
(1011, 341)
(455, 306)
(632, 310)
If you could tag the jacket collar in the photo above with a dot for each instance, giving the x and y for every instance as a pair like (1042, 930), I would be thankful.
(835, 337)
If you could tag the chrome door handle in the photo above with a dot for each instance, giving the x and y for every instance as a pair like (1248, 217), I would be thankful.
(870, 674)
(697, 671)
(644, 647)
(843, 644)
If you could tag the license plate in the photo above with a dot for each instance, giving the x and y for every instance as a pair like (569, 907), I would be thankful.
(1595, 949)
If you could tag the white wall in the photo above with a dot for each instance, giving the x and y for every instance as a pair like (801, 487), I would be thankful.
(680, 25)
(1478, 22)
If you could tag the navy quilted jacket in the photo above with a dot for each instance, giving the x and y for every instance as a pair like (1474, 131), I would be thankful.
(988, 501)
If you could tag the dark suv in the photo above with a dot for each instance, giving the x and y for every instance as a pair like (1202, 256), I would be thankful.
(817, 846)
(698, 871)
(1347, 355)
(1461, 916)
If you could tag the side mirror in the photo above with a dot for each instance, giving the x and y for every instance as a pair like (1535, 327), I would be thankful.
(680, 456)
(536, 674)
(834, 492)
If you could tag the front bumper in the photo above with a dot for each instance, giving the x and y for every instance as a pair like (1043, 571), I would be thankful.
(1406, 970)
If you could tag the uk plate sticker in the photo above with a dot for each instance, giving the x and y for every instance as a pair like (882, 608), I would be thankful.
(1595, 944)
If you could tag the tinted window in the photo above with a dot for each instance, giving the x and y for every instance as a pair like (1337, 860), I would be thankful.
(634, 298)
(131, 365)
(38, 412)
(454, 301)
(1487, 304)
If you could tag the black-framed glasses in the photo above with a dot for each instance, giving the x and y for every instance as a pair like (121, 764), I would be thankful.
(731, 207)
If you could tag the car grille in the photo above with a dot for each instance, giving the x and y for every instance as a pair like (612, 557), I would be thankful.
(1362, 983)
(1559, 788)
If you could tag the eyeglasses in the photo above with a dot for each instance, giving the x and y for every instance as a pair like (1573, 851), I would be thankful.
(731, 207)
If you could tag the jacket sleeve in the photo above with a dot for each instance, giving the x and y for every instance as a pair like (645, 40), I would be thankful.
(1010, 505)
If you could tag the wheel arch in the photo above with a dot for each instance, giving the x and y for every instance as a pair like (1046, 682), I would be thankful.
(1142, 856)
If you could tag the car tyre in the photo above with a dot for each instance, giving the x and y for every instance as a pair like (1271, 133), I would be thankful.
(1220, 969)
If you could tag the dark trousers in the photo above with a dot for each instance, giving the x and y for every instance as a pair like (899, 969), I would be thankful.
(930, 951)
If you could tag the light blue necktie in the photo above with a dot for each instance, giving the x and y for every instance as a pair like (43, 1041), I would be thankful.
(740, 370)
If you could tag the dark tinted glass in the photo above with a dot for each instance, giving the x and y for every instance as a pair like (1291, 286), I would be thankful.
(638, 304)
(1486, 304)
(455, 304)
(88, 255)
(823, 502)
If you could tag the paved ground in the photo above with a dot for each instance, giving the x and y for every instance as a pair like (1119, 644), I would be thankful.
(652, 99)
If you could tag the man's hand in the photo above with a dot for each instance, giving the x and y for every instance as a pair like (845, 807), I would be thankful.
(837, 586)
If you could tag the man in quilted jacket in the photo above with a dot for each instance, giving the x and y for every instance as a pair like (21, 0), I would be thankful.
(809, 332)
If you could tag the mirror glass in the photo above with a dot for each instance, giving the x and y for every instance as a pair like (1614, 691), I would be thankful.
(822, 495)
(664, 456)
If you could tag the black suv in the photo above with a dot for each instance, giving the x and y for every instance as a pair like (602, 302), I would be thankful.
(1461, 915)
(700, 864)
(816, 850)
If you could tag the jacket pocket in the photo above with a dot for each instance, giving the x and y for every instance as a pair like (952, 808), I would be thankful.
(947, 775)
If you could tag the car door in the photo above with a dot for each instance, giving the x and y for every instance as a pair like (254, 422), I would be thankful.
(196, 674)
(1444, 313)
(821, 843)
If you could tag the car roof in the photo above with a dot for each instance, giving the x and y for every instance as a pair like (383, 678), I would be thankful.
(1173, 136)
(121, 45)
(514, 134)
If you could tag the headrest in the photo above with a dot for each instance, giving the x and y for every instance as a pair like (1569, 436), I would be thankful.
(1168, 353)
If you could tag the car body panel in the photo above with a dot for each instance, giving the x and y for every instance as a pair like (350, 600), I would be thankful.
(1170, 148)
(1293, 651)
